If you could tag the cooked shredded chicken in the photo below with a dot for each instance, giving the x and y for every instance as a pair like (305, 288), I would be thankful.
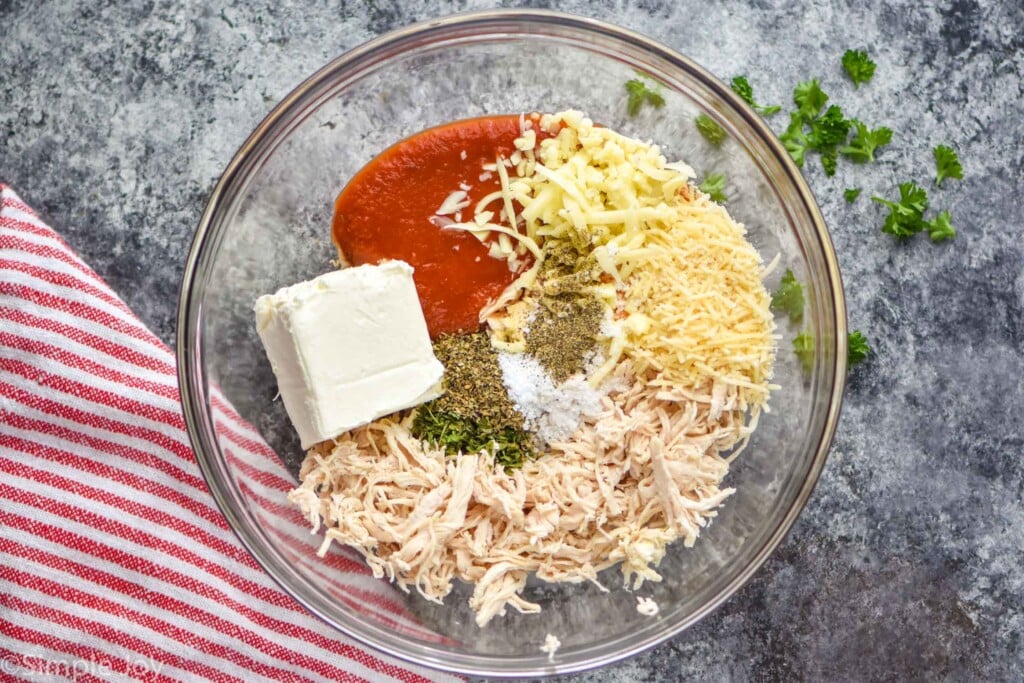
(641, 474)
(646, 606)
(550, 646)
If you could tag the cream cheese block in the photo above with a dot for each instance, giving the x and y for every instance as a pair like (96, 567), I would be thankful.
(348, 347)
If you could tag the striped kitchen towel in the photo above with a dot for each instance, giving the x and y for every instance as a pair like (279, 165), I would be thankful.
(115, 563)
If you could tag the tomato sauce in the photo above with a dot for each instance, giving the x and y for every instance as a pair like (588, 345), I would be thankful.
(385, 213)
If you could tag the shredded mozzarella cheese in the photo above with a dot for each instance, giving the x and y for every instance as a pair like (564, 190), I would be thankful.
(456, 201)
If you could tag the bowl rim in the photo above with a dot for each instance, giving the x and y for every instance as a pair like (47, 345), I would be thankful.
(193, 389)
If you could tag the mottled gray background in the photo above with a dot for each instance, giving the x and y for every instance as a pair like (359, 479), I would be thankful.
(116, 118)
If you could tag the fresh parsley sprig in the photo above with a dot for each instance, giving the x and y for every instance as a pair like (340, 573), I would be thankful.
(711, 131)
(828, 130)
(851, 194)
(858, 66)
(741, 86)
(811, 130)
(794, 139)
(857, 348)
(861, 148)
(640, 93)
(788, 297)
(947, 164)
(941, 227)
(809, 98)
(829, 161)
(714, 187)
(803, 347)
(906, 216)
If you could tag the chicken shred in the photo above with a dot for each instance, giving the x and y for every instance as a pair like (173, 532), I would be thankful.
(639, 475)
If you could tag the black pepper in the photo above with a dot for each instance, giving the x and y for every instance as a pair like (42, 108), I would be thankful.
(563, 334)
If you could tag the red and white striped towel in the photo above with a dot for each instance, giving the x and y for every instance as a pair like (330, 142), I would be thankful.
(115, 563)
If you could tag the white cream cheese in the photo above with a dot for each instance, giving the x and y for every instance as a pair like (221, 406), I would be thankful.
(348, 347)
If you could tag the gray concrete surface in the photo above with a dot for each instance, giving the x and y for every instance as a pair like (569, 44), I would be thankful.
(117, 117)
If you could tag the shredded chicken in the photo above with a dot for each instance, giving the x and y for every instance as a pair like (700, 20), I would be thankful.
(646, 606)
(643, 473)
(550, 646)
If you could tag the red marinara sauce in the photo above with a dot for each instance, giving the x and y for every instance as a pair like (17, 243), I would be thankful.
(385, 213)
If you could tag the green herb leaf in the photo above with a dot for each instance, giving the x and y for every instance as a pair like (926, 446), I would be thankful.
(742, 87)
(796, 149)
(851, 194)
(828, 130)
(906, 217)
(803, 346)
(809, 99)
(794, 139)
(947, 164)
(788, 297)
(459, 435)
(857, 348)
(863, 145)
(711, 131)
(636, 90)
(858, 66)
(714, 187)
(941, 227)
(811, 130)
(828, 162)
(640, 92)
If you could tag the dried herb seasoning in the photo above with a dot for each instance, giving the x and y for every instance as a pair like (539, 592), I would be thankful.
(458, 434)
(563, 333)
(475, 413)
(473, 384)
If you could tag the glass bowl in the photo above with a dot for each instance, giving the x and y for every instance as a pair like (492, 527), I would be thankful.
(267, 224)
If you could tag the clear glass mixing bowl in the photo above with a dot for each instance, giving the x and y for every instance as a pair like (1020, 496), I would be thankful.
(267, 224)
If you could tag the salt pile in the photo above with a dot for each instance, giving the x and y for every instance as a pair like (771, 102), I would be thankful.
(552, 412)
